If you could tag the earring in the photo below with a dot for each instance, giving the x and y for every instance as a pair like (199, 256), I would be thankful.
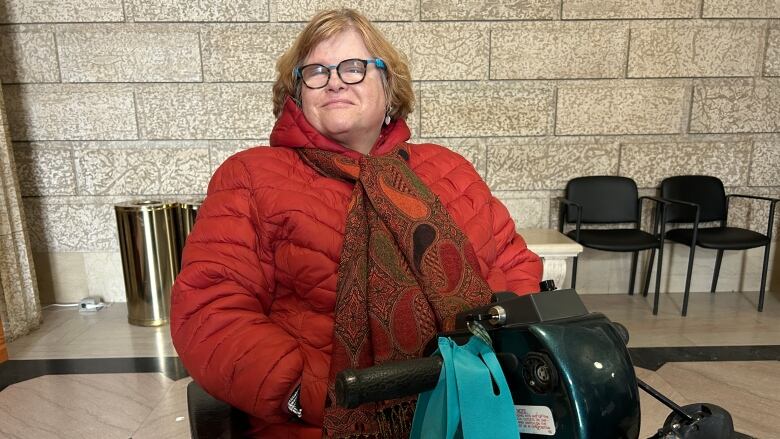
(387, 116)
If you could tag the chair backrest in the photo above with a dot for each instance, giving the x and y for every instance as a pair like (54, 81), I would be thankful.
(705, 190)
(604, 199)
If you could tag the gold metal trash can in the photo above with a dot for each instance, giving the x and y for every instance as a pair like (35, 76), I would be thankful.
(186, 213)
(150, 259)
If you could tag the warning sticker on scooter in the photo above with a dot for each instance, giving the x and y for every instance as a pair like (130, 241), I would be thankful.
(535, 419)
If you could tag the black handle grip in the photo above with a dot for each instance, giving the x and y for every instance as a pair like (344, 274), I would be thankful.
(390, 380)
(398, 379)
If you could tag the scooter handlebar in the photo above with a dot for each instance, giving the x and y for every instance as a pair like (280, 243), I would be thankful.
(387, 381)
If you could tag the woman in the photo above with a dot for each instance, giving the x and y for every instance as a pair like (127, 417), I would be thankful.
(340, 246)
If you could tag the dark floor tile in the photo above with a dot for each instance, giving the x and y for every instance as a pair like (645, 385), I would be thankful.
(14, 371)
(654, 358)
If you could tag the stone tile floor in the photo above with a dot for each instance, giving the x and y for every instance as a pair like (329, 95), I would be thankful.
(152, 405)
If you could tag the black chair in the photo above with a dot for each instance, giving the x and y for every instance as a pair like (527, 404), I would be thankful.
(611, 200)
(211, 418)
(700, 198)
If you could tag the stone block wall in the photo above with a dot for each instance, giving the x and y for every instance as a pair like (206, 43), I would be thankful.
(120, 99)
(20, 307)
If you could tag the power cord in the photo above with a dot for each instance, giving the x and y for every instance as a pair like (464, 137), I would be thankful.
(85, 305)
(63, 305)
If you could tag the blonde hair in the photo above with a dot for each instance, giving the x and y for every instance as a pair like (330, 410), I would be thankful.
(397, 80)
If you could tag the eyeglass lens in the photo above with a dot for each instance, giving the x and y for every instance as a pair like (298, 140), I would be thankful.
(350, 71)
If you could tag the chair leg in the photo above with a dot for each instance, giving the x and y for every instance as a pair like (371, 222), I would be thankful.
(688, 280)
(657, 278)
(631, 281)
(762, 289)
(649, 273)
(718, 260)
(574, 274)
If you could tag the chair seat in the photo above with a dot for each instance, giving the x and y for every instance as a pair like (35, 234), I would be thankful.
(212, 418)
(720, 238)
(616, 240)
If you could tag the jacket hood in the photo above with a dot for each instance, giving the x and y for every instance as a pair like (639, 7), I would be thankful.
(292, 130)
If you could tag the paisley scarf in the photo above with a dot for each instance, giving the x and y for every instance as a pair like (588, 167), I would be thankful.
(406, 270)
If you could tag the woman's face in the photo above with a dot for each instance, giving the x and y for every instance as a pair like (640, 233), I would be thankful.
(350, 114)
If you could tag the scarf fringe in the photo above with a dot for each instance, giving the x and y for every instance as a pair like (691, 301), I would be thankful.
(394, 422)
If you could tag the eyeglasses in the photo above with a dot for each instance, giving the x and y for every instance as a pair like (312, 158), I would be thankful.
(350, 71)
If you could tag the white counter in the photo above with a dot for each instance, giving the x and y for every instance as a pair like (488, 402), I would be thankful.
(554, 248)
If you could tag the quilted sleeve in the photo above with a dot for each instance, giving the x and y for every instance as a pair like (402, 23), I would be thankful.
(522, 267)
(220, 303)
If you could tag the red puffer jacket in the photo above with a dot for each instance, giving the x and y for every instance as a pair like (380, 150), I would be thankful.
(252, 309)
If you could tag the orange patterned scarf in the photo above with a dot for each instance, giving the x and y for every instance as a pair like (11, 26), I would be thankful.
(406, 269)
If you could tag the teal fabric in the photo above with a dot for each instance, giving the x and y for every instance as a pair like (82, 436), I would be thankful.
(463, 404)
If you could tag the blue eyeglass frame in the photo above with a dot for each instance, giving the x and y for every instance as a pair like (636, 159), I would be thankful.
(378, 62)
